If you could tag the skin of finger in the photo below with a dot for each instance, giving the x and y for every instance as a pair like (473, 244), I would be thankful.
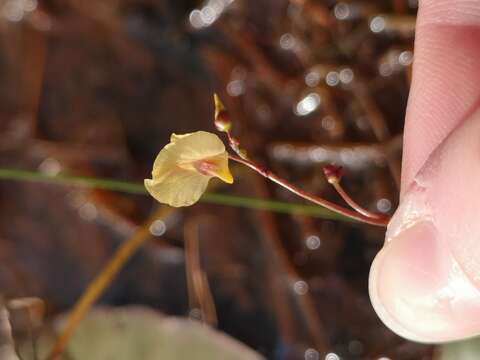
(426, 285)
(440, 176)
(451, 181)
(447, 192)
(446, 78)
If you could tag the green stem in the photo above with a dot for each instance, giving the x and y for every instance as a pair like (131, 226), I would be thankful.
(138, 188)
(82, 181)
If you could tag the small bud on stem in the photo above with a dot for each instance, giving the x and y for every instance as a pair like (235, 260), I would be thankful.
(222, 117)
(224, 124)
(362, 216)
(333, 173)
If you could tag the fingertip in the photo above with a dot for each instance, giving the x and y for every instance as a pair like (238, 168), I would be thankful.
(425, 283)
(419, 291)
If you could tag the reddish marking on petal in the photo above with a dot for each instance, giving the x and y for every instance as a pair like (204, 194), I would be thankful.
(206, 167)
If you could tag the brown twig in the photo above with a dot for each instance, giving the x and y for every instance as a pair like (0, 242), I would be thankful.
(34, 49)
(248, 48)
(198, 288)
(399, 6)
(32, 312)
(282, 264)
(8, 346)
(101, 282)
(377, 123)
(363, 155)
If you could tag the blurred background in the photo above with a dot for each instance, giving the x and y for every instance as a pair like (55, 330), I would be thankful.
(96, 88)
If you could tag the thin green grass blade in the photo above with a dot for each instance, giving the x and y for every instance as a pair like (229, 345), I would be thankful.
(138, 188)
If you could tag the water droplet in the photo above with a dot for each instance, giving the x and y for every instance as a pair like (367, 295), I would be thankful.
(377, 24)
(312, 242)
(300, 287)
(346, 75)
(50, 167)
(308, 104)
(362, 123)
(311, 354)
(347, 156)
(312, 78)
(332, 78)
(88, 211)
(217, 5)
(195, 313)
(384, 205)
(287, 41)
(13, 10)
(342, 11)
(208, 15)
(30, 5)
(195, 19)
(328, 123)
(332, 356)
(385, 69)
(158, 228)
(236, 87)
(318, 155)
(405, 58)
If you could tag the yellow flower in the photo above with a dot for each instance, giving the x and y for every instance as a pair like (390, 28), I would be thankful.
(183, 168)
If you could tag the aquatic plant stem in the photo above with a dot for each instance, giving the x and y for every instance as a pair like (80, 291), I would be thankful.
(354, 205)
(312, 198)
(334, 175)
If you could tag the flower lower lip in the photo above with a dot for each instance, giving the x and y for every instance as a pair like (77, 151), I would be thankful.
(211, 167)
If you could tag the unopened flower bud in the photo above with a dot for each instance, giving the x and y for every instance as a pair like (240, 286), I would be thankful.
(222, 117)
(333, 173)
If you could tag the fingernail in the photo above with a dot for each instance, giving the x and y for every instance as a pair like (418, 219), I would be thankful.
(418, 289)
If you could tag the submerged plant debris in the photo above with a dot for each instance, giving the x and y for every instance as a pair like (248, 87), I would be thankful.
(96, 89)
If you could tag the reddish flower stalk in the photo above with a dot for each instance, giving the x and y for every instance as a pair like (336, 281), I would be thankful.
(334, 174)
(353, 214)
(223, 123)
(355, 205)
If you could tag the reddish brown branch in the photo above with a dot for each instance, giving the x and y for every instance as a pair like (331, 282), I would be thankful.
(199, 292)
(312, 198)
(355, 205)
(281, 263)
(334, 175)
